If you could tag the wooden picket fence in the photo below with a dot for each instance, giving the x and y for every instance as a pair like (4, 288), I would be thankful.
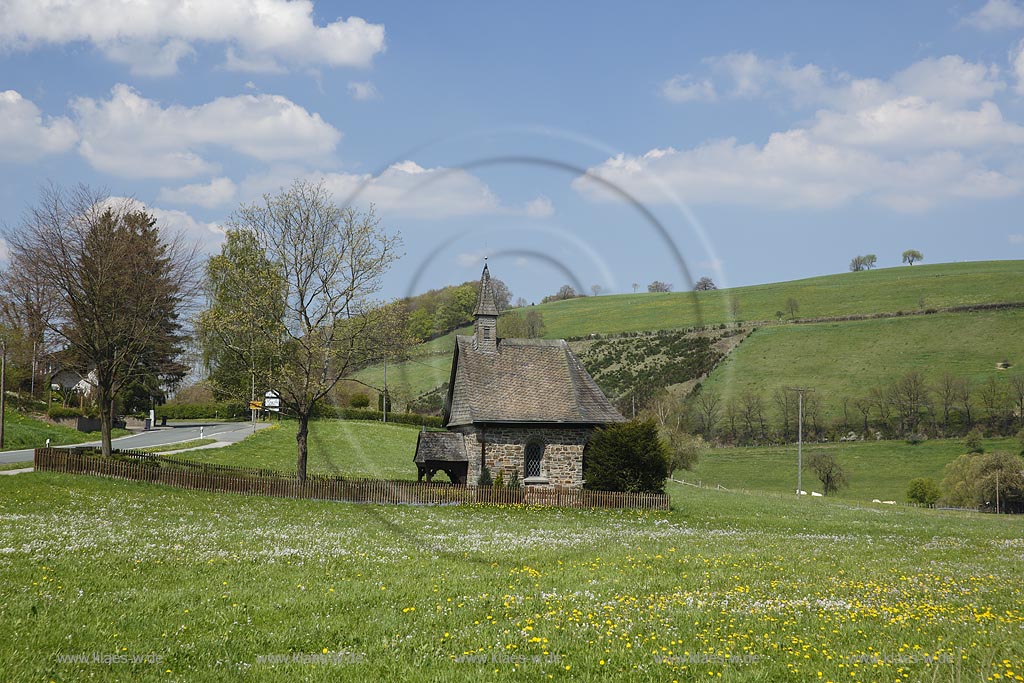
(148, 467)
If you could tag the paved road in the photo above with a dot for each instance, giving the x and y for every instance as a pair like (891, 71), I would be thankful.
(222, 431)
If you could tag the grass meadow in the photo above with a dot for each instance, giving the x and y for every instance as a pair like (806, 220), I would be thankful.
(336, 447)
(875, 469)
(110, 580)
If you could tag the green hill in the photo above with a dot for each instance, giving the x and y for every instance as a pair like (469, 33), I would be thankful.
(848, 359)
(878, 349)
(886, 290)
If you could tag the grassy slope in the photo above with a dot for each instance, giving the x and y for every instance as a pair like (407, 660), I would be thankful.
(875, 469)
(883, 290)
(21, 431)
(848, 359)
(210, 583)
(350, 448)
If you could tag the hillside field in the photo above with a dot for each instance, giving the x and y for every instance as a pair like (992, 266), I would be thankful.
(847, 359)
(219, 587)
(886, 290)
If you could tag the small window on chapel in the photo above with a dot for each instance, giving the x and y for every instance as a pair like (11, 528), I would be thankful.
(487, 333)
(533, 455)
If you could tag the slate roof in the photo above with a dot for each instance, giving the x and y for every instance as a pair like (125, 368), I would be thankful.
(526, 380)
(485, 300)
(444, 446)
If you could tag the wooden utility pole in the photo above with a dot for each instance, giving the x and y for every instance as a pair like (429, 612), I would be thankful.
(3, 389)
(800, 438)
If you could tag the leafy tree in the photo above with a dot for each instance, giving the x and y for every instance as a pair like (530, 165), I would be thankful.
(923, 490)
(659, 286)
(828, 470)
(564, 292)
(118, 285)
(329, 261)
(684, 449)
(246, 302)
(973, 479)
(973, 441)
(527, 324)
(912, 255)
(705, 284)
(628, 456)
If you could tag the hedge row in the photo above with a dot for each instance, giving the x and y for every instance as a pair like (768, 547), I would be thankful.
(235, 409)
(203, 411)
(343, 413)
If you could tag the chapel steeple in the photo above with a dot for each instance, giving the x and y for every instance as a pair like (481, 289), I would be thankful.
(485, 325)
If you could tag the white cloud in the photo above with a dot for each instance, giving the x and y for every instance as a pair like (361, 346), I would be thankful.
(541, 207)
(130, 135)
(792, 170)
(217, 192)
(151, 37)
(249, 85)
(5, 251)
(25, 135)
(207, 235)
(948, 79)
(362, 90)
(1017, 63)
(928, 133)
(686, 89)
(468, 259)
(403, 189)
(913, 122)
(1017, 238)
(752, 76)
(408, 189)
(997, 14)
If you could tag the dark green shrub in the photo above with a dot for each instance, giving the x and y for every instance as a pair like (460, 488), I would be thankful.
(923, 490)
(203, 411)
(485, 478)
(628, 456)
(342, 413)
(499, 481)
(360, 401)
(973, 442)
(59, 412)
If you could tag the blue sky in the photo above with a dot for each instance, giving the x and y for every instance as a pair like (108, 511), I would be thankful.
(755, 141)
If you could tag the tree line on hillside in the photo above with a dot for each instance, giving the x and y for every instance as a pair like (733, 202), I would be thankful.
(911, 407)
(439, 311)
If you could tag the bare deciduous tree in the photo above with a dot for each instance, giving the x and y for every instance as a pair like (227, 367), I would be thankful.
(330, 261)
(119, 285)
(705, 284)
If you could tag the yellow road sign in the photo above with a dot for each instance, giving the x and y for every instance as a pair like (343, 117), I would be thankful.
(255, 405)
